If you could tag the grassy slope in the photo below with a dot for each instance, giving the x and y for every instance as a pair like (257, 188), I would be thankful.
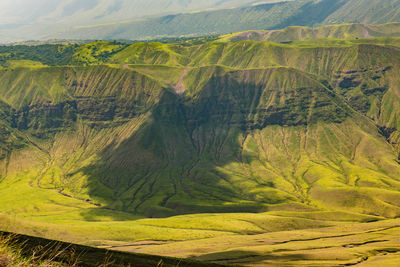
(352, 244)
(260, 17)
(10, 255)
(298, 33)
(282, 129)
(119, 24)
(365, 11)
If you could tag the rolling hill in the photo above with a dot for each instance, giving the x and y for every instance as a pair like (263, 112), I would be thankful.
(221, 139)
(298, 33)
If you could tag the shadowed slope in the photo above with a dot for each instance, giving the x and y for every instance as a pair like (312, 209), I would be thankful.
(253, 136)
(203, 132)
(242, 140)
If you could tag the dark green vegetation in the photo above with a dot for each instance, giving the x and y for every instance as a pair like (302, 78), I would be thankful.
(96, 20)
(32, 20)
(269, 16)
(271, 136)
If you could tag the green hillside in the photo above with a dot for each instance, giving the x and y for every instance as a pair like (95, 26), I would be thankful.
(27, 20)
(298, 33)
(269, 15)
(229, 138)
(156, 19)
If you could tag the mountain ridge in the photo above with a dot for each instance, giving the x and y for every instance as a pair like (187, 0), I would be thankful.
(33, 20)
(138, 146)
(254, 15)
(298, 33)
(260, 17)
(231, 101)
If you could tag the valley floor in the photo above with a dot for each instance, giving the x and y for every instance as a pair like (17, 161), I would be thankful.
(286, 154)
(240, 239)
(361, 244)
(317, 237)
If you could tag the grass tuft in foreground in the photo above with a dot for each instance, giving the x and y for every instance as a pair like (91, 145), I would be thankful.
(11, 255)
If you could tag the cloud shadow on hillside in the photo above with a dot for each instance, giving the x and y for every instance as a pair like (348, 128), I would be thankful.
(169, 166)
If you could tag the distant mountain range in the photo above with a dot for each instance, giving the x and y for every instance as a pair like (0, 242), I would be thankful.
(136, 20)
(26, 19)
(71, 12)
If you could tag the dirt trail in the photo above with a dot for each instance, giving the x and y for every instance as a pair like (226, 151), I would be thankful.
(365, 33)
(180, 86)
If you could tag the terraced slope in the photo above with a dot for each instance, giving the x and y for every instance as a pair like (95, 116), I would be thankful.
(126, 132)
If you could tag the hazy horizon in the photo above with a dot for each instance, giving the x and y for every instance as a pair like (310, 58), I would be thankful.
(39, 19)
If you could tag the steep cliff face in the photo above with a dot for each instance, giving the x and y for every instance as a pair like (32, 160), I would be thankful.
(219, 127)
(254, 99)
